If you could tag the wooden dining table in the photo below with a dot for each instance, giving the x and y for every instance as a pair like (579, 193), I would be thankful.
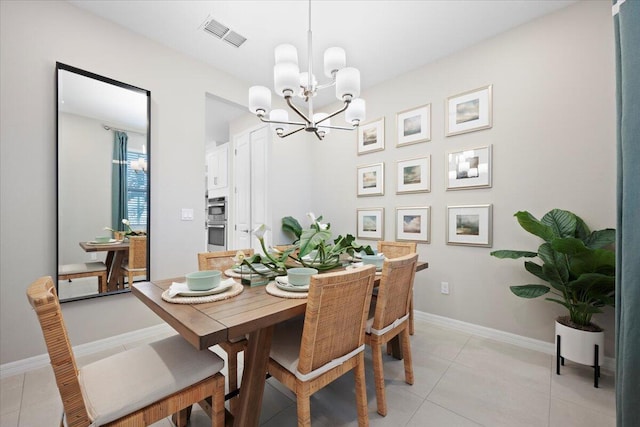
(116, 253)
(253, 313)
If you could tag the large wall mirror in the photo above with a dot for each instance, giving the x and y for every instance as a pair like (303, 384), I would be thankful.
(103, 184)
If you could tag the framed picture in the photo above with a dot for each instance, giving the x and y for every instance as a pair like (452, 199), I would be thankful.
(371, 180)
(469, 111)
(469, 225)
(414, 175)
(370, 223)
(371, 137)
(413, 126)
(413, 224)
(469, 168)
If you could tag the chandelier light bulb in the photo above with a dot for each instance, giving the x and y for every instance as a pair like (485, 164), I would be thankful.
(259, 99)
(286, 76)
(356, 112)
(348, 83)
(286, 53)
(334, 60)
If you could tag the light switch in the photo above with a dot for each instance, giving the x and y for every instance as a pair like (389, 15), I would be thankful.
(187, 214)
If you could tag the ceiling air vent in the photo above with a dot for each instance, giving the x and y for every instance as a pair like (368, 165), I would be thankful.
(223, 32)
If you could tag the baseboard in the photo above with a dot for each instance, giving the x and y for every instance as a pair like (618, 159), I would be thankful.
(608, 363)
(35, 362)
(42, 360)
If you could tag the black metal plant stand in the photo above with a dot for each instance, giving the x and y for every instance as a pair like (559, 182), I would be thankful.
(596, 363)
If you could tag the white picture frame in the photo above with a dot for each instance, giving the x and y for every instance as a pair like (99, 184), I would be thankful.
(370, 223)
(470, 225)
(371, 136)
(413, 175)
(469, 111)
(370, 180)
(413, 125)
(469, 168)
(413, 224)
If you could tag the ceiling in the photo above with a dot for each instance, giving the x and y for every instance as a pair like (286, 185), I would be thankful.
(382, 38)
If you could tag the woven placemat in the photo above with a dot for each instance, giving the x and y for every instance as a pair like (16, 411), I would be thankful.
(236, 289)
(272, 289)
(230, 273)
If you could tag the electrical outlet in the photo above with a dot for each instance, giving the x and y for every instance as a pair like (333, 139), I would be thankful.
(94, 256)
(444, 288)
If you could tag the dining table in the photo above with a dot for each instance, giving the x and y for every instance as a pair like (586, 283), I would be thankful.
(116, 253)
(253, 314)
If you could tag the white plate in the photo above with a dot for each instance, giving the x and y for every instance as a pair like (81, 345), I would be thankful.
(282, 282)
(110, 242)
(213, 291)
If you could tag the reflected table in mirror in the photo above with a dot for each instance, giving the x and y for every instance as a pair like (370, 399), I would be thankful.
(116, 253)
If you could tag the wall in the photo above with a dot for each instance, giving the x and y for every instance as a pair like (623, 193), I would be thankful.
(553, 140)
(34, 35)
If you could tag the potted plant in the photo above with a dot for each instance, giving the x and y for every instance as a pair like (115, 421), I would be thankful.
(579, 267)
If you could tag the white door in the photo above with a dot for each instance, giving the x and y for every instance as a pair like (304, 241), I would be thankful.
(250, 187)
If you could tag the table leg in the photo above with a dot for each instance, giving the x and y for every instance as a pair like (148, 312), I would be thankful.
(256, 358)
(114, 269)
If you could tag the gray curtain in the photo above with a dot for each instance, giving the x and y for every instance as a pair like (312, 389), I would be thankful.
(119, 180)
(626, 16)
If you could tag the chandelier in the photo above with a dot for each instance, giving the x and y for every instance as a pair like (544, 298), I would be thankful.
(290, 82)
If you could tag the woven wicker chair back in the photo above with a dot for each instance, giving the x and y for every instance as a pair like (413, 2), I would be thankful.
(43, 298)
(336, 315)
(396, 249)
(395, 290)
(137, 252)
(220, 260)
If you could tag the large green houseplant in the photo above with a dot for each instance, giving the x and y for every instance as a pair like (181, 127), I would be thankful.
(578, 264)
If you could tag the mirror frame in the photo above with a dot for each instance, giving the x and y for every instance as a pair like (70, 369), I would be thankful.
(64, 67)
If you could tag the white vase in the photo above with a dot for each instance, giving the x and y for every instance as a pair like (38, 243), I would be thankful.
(579, 346)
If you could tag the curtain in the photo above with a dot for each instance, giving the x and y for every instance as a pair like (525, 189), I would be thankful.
(119, 180)
(626, 16)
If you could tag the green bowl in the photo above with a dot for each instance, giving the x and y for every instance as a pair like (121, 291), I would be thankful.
(376, 260)
(102, 239)
(203, 280)
(300, 276)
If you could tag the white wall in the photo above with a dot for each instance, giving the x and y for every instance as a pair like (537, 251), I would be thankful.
(553, 140)
(34, 35)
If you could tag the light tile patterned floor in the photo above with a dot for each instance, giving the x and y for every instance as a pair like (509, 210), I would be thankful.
(460, 380)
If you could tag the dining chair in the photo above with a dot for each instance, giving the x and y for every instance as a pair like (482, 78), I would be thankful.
(88, 269)
(390, 319)
(136, 387)
(307, 355)
(136, 263)
(396, 249)
(223, 260)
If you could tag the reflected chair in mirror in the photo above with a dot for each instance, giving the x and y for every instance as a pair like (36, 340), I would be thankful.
(395, 250)
(136, 387)
(391, 319)
(308, 354)
(136, 264)
(83, 270)
(224, 260)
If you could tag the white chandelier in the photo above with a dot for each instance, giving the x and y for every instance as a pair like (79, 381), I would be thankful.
(288, 81)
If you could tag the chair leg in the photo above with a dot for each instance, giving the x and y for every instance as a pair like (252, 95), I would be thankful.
(361, 390)
(303, 396)
(181, 418)
(411, 326)
(378, 377)
(406, 352)
(218, 412)
(232, 367)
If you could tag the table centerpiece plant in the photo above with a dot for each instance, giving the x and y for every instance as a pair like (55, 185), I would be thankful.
(127, 232)
(313, 247)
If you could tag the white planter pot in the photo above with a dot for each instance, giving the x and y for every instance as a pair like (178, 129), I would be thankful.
(578, 346)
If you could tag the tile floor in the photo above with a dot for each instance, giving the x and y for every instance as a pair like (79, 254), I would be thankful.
(460, 380)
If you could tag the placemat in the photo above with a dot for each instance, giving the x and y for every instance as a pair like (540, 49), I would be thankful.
(230, 273)
(272, 289)
(236, 289)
